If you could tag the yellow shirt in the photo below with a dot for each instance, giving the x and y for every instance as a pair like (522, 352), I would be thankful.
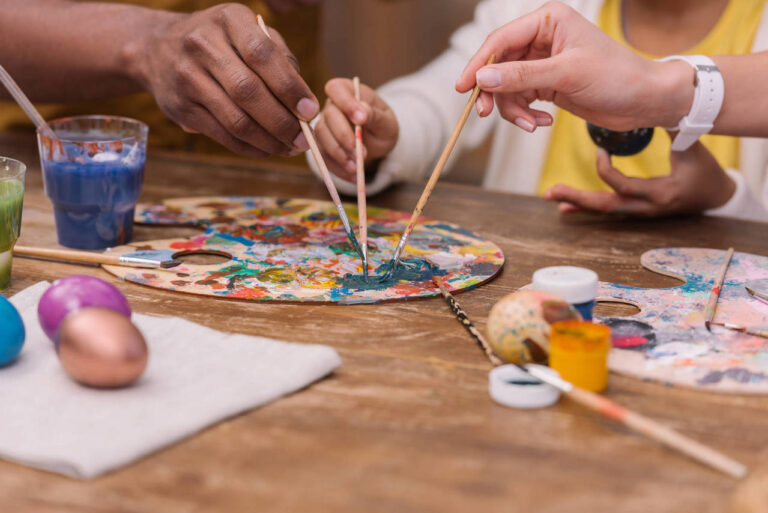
(571, 157)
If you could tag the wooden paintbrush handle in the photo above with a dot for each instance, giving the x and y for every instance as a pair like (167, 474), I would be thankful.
(67, 255)
(658, 432)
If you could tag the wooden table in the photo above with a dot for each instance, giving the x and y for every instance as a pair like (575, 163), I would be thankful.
(406, 424)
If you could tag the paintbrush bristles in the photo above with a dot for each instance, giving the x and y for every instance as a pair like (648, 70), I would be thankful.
(709, 312)
(362, 207)
(438, 170)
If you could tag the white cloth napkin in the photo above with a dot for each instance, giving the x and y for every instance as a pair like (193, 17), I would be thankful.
(196, 377)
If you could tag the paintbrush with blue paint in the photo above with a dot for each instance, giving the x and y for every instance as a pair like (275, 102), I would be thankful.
(324, 172)
(151, 259)
(390, 267)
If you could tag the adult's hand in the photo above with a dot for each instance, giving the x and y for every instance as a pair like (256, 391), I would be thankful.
(695, 184)
(215, 72)
(555, 54)
(283, 6)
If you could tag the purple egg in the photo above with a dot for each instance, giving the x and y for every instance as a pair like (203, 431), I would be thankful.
(73, 293)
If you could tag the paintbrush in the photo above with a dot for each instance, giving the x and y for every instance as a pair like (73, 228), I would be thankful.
(606, 407)
(324, 172)
(436, 172)
(151, 259)
(742, 329)
(362, 208)
(709, 313)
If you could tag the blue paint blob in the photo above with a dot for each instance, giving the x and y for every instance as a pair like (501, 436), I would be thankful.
(12, 332)
(408, 270)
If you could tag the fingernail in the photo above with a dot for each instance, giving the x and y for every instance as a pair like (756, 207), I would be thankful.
(307, 108)
(300, 143)
(358, 117)
(543, 121)
(525, 124)
(488, 77)
(479, 105)
(351, 165)
(293, 153)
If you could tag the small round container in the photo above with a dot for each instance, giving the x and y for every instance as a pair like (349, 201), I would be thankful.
(12, 174)
(575, 285)
(578, 350)
(513, 387)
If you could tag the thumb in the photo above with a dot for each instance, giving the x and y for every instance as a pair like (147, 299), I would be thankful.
(518, 76)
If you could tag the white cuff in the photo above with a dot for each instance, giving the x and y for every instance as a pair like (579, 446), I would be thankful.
(742, 205)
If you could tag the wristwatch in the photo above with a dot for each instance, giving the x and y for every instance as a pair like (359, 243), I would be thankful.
(708, 93)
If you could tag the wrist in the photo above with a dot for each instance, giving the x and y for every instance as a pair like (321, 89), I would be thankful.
(672, 90)
(135, 53)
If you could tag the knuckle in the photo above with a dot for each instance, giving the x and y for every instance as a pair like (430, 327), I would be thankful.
(230, 11)
(261, 50)
(239, 124)
(243, 88)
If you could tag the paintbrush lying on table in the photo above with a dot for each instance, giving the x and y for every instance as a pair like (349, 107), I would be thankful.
(324, 172)
(151, 259)
(436, 172)
(606, 407)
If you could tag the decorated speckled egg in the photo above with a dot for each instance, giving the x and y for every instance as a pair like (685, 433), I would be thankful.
(12, 332)
(518, 326)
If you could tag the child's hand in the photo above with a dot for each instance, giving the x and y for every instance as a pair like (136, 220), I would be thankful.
(336, 132)
(696, 183)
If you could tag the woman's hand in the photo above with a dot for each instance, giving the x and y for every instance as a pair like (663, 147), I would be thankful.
(336, 133)
(555, 54)
(696, 183)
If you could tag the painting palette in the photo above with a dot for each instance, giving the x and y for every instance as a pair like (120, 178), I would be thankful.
(296, 250)
(667, 341)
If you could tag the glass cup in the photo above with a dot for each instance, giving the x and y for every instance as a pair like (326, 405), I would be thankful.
(93, 171)
(12, 174)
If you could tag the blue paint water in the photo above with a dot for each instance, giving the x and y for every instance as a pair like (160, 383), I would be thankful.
(94, 196)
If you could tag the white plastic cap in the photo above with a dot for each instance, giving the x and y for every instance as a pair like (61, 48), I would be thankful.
(575, 285)
(513, 387)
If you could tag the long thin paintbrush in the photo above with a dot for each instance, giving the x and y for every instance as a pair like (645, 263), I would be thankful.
(742, 329)
(436, 172)
(608, 408)
(709, 313)
(326, 175)
(362, 207)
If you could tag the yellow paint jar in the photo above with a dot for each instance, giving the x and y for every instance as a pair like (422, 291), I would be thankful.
(578, 350)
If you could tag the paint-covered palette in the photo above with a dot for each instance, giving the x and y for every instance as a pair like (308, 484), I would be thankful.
(667, 340)
(296, 250)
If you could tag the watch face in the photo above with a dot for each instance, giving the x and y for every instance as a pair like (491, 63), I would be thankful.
(621, 143)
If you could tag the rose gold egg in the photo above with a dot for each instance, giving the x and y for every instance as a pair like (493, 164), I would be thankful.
(99, 347)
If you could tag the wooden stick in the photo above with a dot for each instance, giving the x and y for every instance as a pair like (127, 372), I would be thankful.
(362, 207)
(67, 255)
(324, 172)
(610, 409)
(709, 313)
(437, 171)
(463, 318)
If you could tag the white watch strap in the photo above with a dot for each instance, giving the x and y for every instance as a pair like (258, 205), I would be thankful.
(708, 94)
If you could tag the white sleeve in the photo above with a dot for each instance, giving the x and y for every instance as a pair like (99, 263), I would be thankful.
(427, 106)
(744, 204)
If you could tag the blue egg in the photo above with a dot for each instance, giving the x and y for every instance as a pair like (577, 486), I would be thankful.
(11, 333)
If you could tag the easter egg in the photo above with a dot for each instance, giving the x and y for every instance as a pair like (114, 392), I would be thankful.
(620, 143)
(518, 325)
(11, 332)
(72, 293)
(102, 348)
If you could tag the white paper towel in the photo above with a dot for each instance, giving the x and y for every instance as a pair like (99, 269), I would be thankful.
(196, 377)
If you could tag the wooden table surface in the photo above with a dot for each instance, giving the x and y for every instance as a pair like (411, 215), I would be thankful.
(406, 424)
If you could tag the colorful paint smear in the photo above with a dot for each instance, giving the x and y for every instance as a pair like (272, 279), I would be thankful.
(296, 250)
(667, 341)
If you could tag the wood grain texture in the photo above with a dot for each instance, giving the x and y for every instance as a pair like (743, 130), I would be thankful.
(406, 424)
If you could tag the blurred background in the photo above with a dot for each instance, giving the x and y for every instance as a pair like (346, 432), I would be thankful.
(375, 39)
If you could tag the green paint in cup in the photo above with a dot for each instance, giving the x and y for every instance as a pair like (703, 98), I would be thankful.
(12, 173)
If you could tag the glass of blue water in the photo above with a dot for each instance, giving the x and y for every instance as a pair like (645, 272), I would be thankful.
(93, 171)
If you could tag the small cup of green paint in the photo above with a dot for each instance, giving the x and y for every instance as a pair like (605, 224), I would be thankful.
(12, 174)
